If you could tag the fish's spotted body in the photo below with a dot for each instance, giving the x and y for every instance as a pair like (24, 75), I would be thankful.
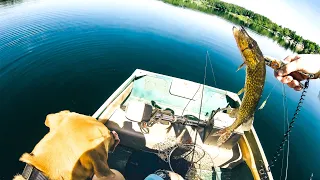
(254, 84)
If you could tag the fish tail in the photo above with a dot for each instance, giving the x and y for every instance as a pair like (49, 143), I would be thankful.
(224, 134)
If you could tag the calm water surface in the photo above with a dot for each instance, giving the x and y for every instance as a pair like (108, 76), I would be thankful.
(57, 55)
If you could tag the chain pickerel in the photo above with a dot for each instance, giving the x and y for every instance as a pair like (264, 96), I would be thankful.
(254, 84)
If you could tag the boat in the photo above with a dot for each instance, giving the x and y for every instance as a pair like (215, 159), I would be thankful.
(166, 122)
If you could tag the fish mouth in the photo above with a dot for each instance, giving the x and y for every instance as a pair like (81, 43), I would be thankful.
(235, 29)
(241, 30)
(237, 34)
(241, 36)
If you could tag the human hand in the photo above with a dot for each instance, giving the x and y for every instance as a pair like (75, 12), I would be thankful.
(307, 63)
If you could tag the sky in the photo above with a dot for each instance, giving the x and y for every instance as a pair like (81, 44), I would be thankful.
(301, 16)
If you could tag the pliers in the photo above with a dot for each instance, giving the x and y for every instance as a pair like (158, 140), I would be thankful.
(278, 64)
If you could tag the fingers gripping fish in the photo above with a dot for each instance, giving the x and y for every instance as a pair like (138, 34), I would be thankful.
(254, 84)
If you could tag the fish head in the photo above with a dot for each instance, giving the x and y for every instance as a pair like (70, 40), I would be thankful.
(248, 46)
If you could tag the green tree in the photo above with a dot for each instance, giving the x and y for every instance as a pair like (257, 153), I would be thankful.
(312, 48)
(286, 31)
(292, 34)
(298, 38)
(256, 22)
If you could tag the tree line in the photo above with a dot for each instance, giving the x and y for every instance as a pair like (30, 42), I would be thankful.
(285, 37)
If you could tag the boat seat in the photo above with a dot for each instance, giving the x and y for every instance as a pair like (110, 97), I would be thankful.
(131, 135)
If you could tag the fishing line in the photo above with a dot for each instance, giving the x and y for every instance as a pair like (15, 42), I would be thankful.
(196, 134)
(288, 150)
(204, 82)
(195, 142)
(190, 100)
(295, 116)
(284, 127)
(200, 110)
(214, 78)
(285, 120)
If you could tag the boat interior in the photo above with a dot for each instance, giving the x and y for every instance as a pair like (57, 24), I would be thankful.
(159, 119)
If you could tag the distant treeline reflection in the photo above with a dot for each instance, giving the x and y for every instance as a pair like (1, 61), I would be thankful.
(285, 37)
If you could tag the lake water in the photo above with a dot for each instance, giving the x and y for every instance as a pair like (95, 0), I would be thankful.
(57, 55)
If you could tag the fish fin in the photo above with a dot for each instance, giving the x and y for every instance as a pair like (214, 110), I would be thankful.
(232, 112)
(241, 66)
(263, 104)
(224, 134)
(241, 91)
(246, 125)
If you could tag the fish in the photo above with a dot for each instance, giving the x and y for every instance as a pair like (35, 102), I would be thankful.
(254, 84)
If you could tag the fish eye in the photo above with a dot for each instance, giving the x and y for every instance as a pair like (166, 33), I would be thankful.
(250, 45)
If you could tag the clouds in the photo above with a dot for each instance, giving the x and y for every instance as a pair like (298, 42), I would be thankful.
(301, 17)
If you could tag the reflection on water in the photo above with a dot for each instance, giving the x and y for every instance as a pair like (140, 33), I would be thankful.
(57, 55)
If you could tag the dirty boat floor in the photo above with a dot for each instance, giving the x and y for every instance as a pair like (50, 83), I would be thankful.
(137, 164)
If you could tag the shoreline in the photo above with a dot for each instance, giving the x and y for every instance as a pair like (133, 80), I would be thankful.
(283, 36)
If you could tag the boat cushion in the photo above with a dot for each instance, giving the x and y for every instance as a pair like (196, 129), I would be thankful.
(138, 111)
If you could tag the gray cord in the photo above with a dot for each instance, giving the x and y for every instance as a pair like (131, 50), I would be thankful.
(214, 78)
